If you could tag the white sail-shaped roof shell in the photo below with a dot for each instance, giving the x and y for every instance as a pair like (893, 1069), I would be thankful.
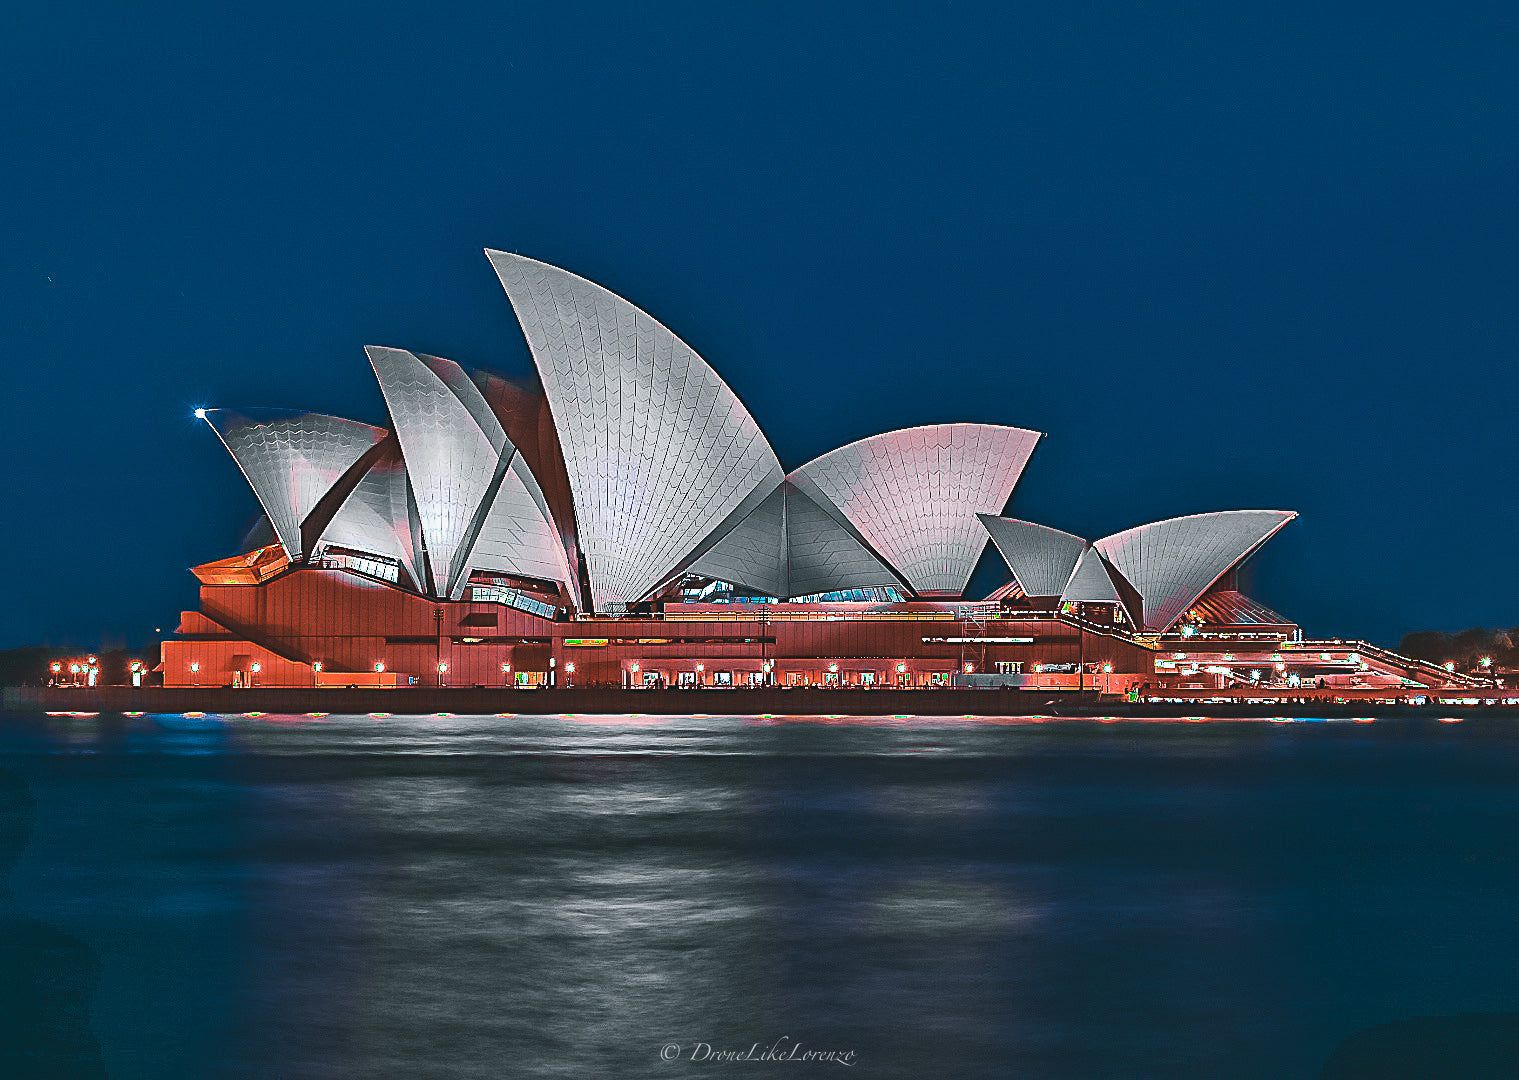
(291, 459)
(1041, 558)
(474, 508)
(660, 453)
(823, 554)
(377, 516)
(753, 554)
(517, 536)
(1172, 563)
(451, 462)
(914, 494)
(790, 546)
(1090, 582)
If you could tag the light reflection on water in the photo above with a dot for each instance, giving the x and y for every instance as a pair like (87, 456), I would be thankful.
(562, 896)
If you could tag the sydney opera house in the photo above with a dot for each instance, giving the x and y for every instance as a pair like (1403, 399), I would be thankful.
(622, 520)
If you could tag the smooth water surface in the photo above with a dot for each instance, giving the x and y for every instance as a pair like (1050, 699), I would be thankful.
(559, 896)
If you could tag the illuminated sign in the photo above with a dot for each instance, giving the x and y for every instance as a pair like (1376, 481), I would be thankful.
(585, 642)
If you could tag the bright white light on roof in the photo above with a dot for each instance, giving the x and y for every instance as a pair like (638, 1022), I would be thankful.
(200, 414)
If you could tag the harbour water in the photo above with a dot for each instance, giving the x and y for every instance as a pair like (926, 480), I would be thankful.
(575, 896)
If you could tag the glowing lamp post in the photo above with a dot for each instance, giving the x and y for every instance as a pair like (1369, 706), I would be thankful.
(506, 674)
(569, 674)
(253, 670)
(699, 669)
(442, 671)
(195, 672)
(633, 670)
(316, 672)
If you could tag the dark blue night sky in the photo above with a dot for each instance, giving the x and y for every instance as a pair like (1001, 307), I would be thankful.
(1224, 260)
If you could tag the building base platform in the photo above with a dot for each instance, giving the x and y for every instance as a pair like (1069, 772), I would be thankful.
(763, 702)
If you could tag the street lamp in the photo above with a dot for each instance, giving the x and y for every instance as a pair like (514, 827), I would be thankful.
(316, 672)
(633, 670)
(379, 667)
(569, 669)
(699, 669)
(253, 669)
(442, 671)
(506, 673)
(195, 672)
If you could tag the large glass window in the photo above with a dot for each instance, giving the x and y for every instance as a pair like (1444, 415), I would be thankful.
(514, 598)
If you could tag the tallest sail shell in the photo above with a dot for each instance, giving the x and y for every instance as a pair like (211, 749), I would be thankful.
(662, 456)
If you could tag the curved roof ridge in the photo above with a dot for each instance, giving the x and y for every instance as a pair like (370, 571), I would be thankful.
(913, 494)
(1042, 559)
(1172, 562)
(291, 458)
(1200, 514)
